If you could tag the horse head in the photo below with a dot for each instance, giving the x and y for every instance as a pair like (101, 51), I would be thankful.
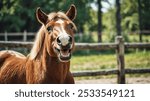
(59, 32)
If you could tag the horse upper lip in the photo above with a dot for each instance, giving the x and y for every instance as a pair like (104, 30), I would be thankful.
(58, 50)
(64, 55)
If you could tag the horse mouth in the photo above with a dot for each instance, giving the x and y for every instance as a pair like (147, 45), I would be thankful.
(63, 55)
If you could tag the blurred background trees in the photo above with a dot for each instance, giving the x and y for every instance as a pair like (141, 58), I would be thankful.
(19, 15)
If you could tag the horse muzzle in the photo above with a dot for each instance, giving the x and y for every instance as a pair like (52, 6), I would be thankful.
(64, 50)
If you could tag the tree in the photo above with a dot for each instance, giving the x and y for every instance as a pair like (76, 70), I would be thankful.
(99, 21)
(145, 9)
(129, 13)
(118, 17)
(140, 20)
(19, 15)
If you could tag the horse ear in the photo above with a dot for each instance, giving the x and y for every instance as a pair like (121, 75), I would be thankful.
(72, 12)
(41, 16)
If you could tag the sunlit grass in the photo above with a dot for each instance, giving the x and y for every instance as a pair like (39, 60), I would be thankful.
(93, 62)
(137, 59)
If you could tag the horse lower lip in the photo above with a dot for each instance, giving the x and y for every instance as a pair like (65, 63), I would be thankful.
(65, 58)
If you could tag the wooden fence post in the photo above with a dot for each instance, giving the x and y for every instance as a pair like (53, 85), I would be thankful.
(6, 36)
(6, 39)
(25, 36)
(120, 60)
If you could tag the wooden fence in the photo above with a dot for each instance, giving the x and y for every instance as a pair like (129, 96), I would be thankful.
(24, 36)
(119, 46)
(29, 36)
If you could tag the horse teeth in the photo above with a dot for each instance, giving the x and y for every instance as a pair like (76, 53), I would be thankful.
(64, 55)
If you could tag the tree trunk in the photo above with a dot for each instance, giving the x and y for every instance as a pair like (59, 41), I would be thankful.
(140, 22)
(99, 21)
(118, 18)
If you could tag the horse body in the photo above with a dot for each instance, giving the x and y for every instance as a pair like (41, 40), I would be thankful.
(48, 61)
(12, 69)
(19, 69)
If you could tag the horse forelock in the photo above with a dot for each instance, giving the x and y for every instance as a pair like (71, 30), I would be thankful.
(60, 15)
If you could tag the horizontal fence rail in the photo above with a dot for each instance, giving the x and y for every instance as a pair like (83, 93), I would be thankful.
(119, 45)
(110, 72)
(18, 34)
(95, 73)
(78, 46)
(16, 44)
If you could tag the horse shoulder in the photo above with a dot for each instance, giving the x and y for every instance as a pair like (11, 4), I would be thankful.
(8, 55)
(11, 66)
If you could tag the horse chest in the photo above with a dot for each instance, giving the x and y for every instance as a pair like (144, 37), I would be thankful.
(57, 73)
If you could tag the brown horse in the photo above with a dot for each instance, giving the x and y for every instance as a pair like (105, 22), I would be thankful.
(49, 60)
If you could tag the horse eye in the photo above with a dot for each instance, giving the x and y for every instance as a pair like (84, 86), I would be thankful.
(49, 29)
(70, 26)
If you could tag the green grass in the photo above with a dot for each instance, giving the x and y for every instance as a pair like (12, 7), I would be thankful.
(102, 61)
(136, 59)
(93, 62)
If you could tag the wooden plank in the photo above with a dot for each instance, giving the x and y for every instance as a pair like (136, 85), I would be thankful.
(120, 60)
(25, 36)
(17, 34)
(12, 44)
(135, 70)
(137, 45)
(83, 46)
(6, 36)
(79, 46)
(111, 72)
(95, 73)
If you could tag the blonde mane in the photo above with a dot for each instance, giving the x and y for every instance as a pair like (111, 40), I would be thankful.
(38, 43)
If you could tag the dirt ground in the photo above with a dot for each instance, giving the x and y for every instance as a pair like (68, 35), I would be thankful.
(131, 80)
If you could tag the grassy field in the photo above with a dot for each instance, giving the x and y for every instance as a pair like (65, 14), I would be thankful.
(99, 61)
(86, 60)
(103, 61)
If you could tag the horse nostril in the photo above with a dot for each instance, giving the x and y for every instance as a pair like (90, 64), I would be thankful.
(70, 39)
(58, 41)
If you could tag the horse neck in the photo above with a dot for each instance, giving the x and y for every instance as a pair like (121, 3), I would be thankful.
(56, 71)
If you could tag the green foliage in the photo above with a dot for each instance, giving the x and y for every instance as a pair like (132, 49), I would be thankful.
(129, 13)
(19, 15)
(145, 9)
(85, 38)
(109, 21)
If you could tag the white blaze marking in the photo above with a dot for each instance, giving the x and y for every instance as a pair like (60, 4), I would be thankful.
(64, 39)
(63, 36)
(60, 21)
